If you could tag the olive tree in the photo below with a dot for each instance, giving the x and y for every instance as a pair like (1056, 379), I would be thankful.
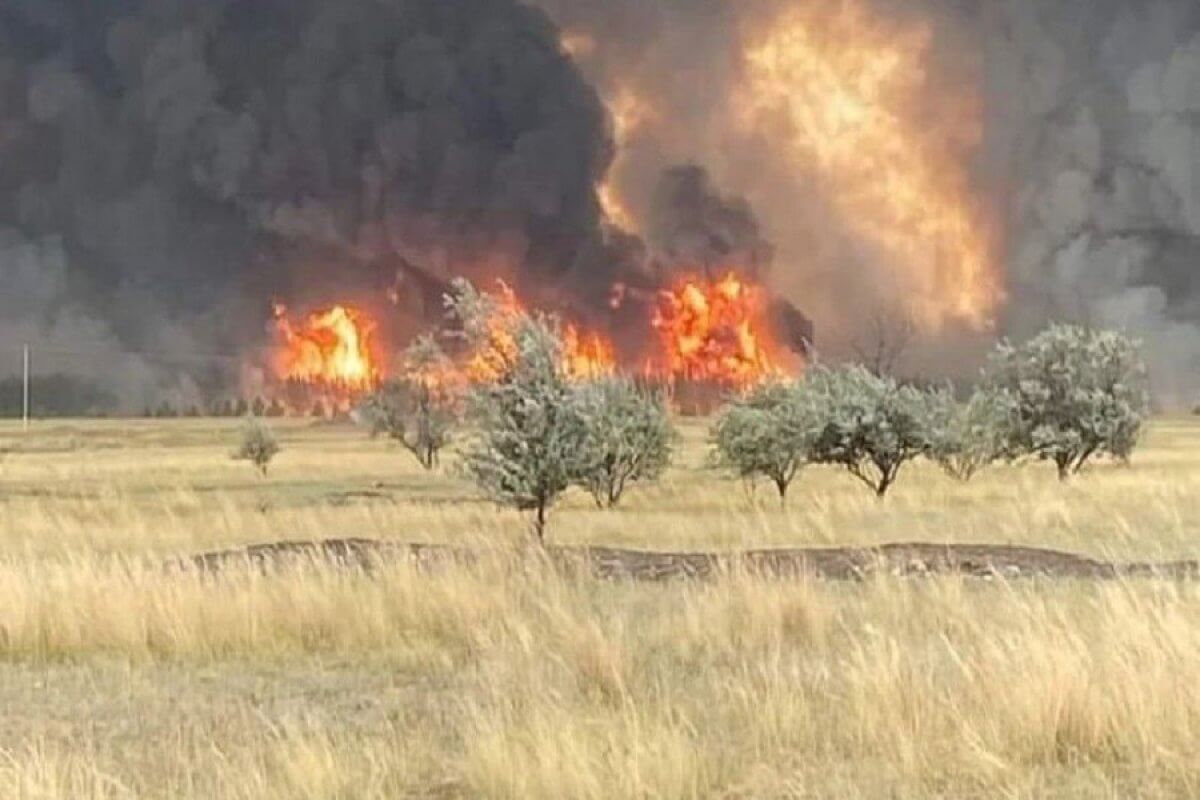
(487, 323)
(258, 445)
(1076, 393)
(966, 437)
(420, 409)
(766, 433)
(530, 436)
(870, 425)
(628, 437)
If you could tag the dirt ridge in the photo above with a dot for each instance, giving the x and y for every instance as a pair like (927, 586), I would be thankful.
(905, 559)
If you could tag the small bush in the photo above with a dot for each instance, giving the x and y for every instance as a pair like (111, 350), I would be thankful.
(629, 438)
(1076, 394)
(530, 437)
(421, 409)
(965, 438)
(766, 434)
(258, 446)
(870, 425)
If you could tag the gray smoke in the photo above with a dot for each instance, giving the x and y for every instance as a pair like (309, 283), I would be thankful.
(692, 226)
(171, 167)
(1094, 114)
(1090, 162)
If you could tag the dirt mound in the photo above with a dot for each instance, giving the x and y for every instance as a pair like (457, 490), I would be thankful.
(834, 563)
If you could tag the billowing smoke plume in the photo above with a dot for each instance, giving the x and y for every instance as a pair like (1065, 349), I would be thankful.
(1075, 126)
(692, 226)
(171, 167)
(1094, 116)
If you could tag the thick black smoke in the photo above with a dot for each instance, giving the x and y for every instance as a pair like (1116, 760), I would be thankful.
(692, 226)
(169, 167)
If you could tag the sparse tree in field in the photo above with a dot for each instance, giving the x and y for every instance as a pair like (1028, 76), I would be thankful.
(870, 425)
(967, 437)
(421, 409)
(629, 437)
(258, 445)
(1077, 393)
(768, 433)
(530, 437)
(488, 324)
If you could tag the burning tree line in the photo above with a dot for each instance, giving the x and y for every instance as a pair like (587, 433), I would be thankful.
(540, 424)
(717, 334)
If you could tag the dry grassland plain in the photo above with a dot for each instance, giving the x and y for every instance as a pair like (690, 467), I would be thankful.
(121, 680)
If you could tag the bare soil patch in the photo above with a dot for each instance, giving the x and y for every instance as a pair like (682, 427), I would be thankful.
(910, 559)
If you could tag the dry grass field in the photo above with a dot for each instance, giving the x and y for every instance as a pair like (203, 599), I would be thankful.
(121, 680)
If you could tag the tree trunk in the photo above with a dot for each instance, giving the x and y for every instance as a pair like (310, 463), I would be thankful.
(539, 523)
(886, 479)
(1064, 468)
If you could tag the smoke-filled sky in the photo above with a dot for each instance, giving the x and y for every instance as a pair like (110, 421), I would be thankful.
(1067, 134)
(167, 168)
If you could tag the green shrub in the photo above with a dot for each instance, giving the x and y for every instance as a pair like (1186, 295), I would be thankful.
(1076, 393)
(869, 425)
(258, 445)
(767, 433)
(529, 441)
(421, 409)
(965, 438)
(628, 437)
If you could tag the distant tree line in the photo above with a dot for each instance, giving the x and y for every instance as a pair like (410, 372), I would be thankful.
(56, 395)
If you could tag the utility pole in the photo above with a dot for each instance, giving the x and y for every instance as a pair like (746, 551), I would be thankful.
(25, 392)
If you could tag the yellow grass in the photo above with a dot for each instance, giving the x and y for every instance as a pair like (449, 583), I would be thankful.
(119, 679)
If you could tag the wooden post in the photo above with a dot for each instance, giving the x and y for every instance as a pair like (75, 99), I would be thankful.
(25, 391)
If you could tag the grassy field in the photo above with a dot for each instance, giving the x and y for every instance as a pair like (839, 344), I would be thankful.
(120, 680)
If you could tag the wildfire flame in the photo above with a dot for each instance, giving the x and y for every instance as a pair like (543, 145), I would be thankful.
(629, 113)
(585, 355)
(844, 87)
(714, 331)
(709, 332)
(330, 348)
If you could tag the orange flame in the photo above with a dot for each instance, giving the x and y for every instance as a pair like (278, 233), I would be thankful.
(585, 355)
(847, 92)
(714, 331)
(332, 348)
(628, 113)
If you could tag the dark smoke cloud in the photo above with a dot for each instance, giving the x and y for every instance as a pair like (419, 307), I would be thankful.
(171, 166)
(1095, 117)
(1090, 160)
(692, 226)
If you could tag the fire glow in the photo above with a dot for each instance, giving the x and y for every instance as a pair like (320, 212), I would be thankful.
(714, 331)
(586, 354)
(628, 113)
(332, 349)
(708, 332)
(844, 90)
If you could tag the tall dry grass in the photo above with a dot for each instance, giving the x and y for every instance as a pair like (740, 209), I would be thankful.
(509, 681)
(121, 679)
